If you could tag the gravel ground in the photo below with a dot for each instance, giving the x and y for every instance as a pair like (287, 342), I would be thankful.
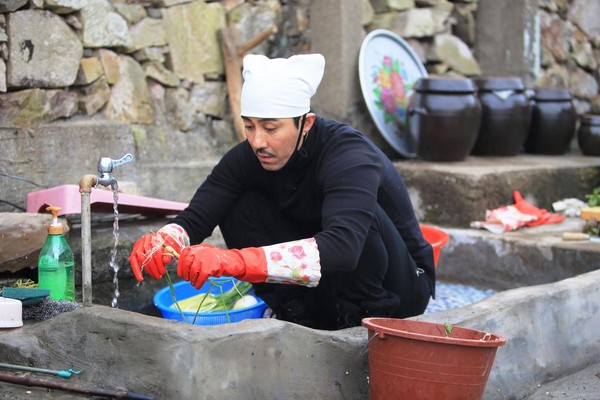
(452, 295)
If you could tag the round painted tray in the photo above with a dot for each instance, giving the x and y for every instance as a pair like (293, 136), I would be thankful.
(388, 68)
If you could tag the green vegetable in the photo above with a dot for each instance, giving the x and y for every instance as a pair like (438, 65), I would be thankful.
(593, 199)
(448, 328)
(208, 302)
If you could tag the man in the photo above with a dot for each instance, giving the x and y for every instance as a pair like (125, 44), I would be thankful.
(313, 213)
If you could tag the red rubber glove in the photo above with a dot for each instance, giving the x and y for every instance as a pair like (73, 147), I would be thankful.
(198, 263)
(527, 208)
(148, 252)
(542, 215)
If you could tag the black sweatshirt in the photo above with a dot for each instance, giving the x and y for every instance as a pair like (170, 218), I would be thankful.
(330, 187)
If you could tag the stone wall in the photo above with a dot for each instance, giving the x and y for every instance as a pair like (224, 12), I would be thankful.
(570, 49)
(561, 40)
(105, 78)
(148, 77)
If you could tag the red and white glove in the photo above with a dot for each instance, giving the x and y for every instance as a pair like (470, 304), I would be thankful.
(149, 253)
(542, 216)
(295, 263)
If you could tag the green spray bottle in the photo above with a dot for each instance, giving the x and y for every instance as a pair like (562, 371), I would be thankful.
(56, 270)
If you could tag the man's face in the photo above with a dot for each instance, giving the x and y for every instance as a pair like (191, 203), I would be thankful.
(273, 139)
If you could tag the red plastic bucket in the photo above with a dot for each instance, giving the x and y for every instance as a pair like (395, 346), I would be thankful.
(417, 360)
(437, 238)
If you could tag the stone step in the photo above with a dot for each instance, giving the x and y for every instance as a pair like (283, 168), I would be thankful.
(525, 257)
(456, 193)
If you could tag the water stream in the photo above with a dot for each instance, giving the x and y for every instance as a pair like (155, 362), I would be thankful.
(113, 254)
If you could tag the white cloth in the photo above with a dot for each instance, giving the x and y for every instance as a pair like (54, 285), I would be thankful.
(280, 87)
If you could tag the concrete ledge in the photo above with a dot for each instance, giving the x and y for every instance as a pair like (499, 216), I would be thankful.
(257, 359)
(551, 331)
(455, 194)
(528, 256)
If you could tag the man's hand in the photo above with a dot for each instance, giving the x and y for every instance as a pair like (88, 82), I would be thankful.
(152, 252)
(198, 263)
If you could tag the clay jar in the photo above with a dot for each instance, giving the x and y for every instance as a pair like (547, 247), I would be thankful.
(505, 116)
(444, 116)
(553, 122)
(588, 135)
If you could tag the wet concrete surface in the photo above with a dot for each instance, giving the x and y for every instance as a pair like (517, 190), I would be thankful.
(582, 385)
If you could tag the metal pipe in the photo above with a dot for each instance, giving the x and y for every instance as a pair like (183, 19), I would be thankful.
(61, 373)
(31, 381)
(85, 188)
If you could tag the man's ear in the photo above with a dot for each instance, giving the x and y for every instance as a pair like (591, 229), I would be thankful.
(309, 121)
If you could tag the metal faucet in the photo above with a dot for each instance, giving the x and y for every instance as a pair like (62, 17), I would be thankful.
(105, 167)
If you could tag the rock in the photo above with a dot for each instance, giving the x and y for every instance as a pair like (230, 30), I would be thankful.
(583, 84)
(454, 52)
(2, 76)
(146, 33)
(169, 3)
(583, 54)
(191, 31)
(154, 12)
(130, 99)
(555, 36)
(414, 23)
(209, 98)
(419, 48)
(90, 70)
(389, 5)
(22, 236)
(249, 21)
(581, 106)
(33, 106)
(431, 3)
(548, 5)
(75, 22)
(367, 13)
(399, 5)
(464, 26)
(595, 105)
(110, 65)
(180, 112)
(547, 59)
(11, 5)
(37, 59)
(133, 13)
(585, 14)
(556, 76)
(441, 17)
(151, 54)
(224, 133)
(95, 96)
(102, 27)
(160, 73)
(60, 6)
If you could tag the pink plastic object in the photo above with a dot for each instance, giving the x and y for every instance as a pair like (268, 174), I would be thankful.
(69, 198)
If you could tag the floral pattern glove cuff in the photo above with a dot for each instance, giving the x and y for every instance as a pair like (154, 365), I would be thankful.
(296, 263)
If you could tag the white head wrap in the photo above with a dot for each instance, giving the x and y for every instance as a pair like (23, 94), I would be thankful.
(280, 87)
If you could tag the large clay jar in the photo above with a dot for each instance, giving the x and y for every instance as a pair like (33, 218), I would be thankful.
(553, 122)
(505, 116)
(444, 116)
(588, 135)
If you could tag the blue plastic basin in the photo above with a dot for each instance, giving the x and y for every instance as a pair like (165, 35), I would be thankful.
(183, 290)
